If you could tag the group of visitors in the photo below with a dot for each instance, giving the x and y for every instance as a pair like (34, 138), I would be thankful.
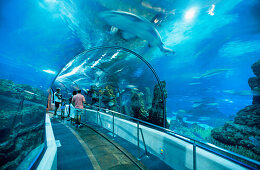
(75, 106)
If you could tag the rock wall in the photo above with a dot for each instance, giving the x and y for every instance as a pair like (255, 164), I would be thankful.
(22, 116)
(245, 129)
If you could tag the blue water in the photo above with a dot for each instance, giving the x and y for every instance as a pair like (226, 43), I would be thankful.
(47, 34)
(43, 44)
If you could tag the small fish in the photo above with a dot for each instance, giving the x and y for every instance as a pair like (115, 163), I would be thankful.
(131, 86)
(111, 104)
(141, 93)
(189, 115)
(113, 30)
(182, 111)
(195, 83)
(196, 105)
(243, 92)
(227, 100)
(212, 104)
(119, 70)
(229, 91)
(204, 118)
(30, 92)
(174, 113)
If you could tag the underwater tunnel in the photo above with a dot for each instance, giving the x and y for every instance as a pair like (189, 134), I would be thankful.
(168, 84)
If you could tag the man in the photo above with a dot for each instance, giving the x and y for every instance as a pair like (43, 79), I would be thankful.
(57, 100)
(77, 102)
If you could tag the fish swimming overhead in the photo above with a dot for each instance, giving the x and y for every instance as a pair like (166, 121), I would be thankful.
(243, 92)
(195, 83)
(211, 73)
(132, 26)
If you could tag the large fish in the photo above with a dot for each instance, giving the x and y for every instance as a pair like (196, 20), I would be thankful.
(243, 92)
(213, 72)
(132, 26)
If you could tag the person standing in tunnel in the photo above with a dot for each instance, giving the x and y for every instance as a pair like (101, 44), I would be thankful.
(77, 102)
(71, 108)
(57, 100)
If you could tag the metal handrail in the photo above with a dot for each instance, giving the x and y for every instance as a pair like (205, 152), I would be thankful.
(192, 141)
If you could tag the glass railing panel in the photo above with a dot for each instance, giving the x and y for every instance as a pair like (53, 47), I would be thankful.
(174, 149)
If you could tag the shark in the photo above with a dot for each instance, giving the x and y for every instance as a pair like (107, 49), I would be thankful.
(133, 26)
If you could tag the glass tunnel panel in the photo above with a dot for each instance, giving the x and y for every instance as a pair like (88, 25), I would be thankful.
(114, 79)
(22, 119)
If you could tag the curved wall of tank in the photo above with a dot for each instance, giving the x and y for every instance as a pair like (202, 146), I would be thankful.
(215, 44)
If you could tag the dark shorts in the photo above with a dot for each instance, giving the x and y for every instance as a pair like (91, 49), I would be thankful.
(57, 104)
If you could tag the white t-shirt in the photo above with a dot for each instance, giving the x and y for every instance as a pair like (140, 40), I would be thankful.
(56, 99)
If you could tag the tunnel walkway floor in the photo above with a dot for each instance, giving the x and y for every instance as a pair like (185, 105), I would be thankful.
(84, 148)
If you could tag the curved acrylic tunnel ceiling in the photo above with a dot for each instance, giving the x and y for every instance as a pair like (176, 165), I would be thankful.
(107, 66)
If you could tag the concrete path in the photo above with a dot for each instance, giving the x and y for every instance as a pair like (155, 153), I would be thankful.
(70, 153)
(83, 148)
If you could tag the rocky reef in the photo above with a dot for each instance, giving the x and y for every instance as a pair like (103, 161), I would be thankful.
(93, 92)
(138, 106)
(254, 82)
(109, 98)
(22, 91)
(148, 98)
(22, 116)
(156, 115)
(144, 105)
(244, 131)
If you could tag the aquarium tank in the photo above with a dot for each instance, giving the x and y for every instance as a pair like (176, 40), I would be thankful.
(190, 66)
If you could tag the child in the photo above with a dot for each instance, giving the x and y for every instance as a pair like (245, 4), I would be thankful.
(62, 108)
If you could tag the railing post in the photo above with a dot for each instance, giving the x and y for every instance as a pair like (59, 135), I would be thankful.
(146, 152)
(97, 116)
(138, 139)
(194, 156)
(113, 124)
(99, 106)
